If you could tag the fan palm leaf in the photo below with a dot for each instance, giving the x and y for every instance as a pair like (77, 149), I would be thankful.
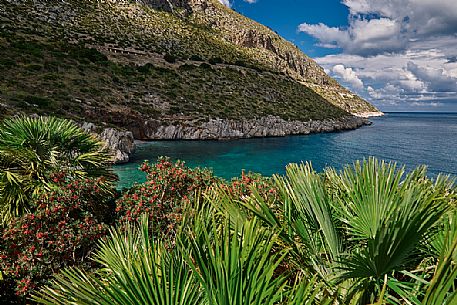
(33, 148)
(136, 269)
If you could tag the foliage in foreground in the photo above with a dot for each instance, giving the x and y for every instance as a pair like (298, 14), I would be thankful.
(170, 188)
(63, 230)
(358, 229)
(32, 149)
(216, 264)
(369, 234)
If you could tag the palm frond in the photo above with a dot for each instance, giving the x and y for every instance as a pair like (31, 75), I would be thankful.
(33, 148)
(136, 270)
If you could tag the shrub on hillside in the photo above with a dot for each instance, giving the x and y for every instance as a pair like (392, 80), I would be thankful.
(196, 58)
(205, 66)
(216, 60)
(62, 231)
(170, 58)
(241, 63)
(90, 54)
(170, 186)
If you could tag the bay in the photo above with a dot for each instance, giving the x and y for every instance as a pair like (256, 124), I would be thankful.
(411, 139)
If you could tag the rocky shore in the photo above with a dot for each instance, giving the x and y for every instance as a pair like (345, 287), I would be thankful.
(221, 129)
(369, 114)
(122, 143)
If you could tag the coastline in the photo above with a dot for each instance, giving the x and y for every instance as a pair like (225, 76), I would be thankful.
(227, 129)
(123, 143)
(369, 114)
(382, 138)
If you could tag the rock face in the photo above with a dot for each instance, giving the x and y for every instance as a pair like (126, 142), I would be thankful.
(218, 129)
(272, 50)
(120, 143)
(166, 5)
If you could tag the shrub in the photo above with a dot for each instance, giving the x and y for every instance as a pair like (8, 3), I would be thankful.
(206, 66)
(168, 190)
(196, 58)
(169, 58)
(240, 63)
(187, 67)
(41, 102)
(215, 61)
(90, 54)
(63, 231)
(28, 47)
(146, 68)
(243, 187)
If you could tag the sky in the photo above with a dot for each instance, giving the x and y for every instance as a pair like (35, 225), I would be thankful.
(401, 55)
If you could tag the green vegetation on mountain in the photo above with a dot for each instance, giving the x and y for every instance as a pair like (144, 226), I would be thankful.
(122, 61)
(82, 83)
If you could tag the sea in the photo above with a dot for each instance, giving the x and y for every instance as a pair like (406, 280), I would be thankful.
(410, 139)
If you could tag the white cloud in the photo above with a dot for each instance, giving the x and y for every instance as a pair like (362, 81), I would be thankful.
(378, 26)
(402, 51)
(328, 36)
(348, 75)
(425, 104)
(437, 80)
(400, 78)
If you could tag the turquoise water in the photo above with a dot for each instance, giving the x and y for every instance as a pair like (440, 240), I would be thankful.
(408, 138)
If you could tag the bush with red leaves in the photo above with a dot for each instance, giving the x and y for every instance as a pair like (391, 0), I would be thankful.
(241, 188)
(62, 231)
(169, 187)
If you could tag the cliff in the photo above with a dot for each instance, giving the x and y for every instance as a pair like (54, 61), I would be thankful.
(177, 63)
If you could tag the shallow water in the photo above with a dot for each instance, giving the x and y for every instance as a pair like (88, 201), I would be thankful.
(408, 138)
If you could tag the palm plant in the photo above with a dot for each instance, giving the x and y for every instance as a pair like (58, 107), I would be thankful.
(432, 284)
(237, 259)
(31, 149)
(385, 218)
(355, 229)
(236, 266)
(213, 263)
(136, 270)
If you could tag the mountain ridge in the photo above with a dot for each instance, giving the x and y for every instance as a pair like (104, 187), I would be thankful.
(125, 63)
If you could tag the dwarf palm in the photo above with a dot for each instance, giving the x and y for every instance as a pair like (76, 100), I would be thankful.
(136, 270)
(433, 282)
(213, 262)
(355, 227)
(385, 215)
(236, 266)
(33, 148)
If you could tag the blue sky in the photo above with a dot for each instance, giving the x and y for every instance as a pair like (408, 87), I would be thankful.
(401, 55)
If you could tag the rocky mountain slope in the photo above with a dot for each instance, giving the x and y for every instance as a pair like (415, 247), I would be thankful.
(147, 65)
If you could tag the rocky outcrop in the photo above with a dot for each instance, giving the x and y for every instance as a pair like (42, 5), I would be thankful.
(218, 129)
(120, 143)
(370, 114)
(277, 53)
(167, 5)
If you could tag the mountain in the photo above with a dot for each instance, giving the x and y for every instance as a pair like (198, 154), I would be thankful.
(164, 69)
